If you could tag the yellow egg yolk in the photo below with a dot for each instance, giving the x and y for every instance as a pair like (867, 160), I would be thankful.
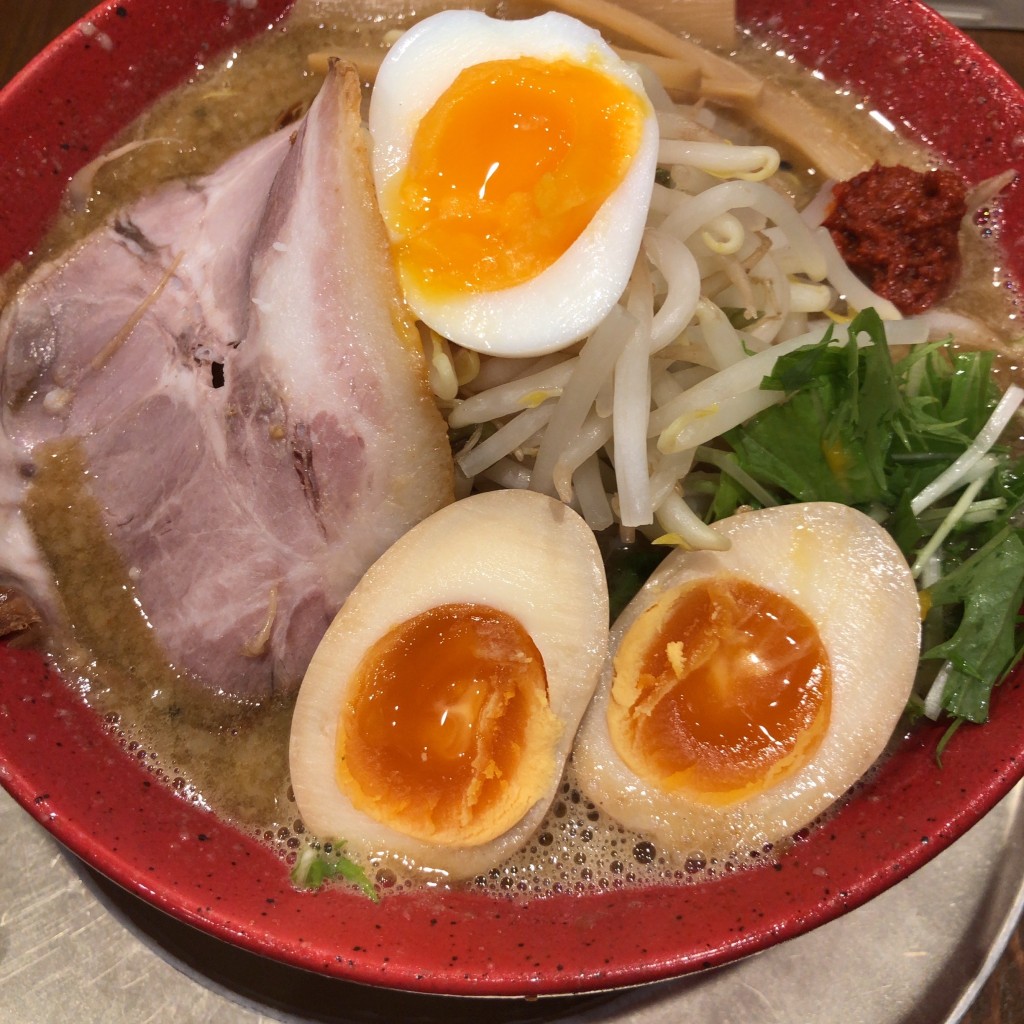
(447, 732)
(507, 169)
(721, 689)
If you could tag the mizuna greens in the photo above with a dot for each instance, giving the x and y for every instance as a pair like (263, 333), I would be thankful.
(880, 434)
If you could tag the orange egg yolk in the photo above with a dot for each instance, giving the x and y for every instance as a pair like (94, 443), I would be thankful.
(507, 169)
(721, 689)
(447, 732)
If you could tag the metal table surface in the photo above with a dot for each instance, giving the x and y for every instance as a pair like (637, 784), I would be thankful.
(74, 947)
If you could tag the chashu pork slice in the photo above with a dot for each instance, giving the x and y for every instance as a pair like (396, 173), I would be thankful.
(231, 361)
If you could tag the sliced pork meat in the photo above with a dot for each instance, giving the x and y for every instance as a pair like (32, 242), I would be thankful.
(232, 359)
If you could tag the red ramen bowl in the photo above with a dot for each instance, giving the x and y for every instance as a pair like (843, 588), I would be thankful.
(70, 773)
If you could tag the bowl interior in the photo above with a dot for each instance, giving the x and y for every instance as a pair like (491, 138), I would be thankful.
(71, 774)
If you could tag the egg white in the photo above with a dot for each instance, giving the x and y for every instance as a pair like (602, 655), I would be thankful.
(516, 551)
(570, 298)
(846, 574)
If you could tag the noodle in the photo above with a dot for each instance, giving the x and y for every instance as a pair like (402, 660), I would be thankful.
(631, 402)
(682, 277)
(505, 399)
(699, 425)
(596, 360)
(678, 519)
(720, 337)
(592, 437)
(692, 213)
(593, 500)
(505, 440)
(751, 163)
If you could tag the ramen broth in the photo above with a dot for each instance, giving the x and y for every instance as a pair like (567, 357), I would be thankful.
(233, 757)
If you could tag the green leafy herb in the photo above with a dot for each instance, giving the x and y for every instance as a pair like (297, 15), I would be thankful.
(989, 588)
(316, 866)
(847, 416)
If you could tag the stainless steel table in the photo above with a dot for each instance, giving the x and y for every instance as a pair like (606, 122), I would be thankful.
(74, 946)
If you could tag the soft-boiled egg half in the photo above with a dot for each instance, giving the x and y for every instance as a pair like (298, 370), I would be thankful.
(433, 724)
(514, 163)
(750, 688)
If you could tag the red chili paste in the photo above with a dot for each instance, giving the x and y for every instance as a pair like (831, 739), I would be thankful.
(897, 230)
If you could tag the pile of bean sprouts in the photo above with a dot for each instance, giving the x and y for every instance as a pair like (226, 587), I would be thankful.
(730, 276)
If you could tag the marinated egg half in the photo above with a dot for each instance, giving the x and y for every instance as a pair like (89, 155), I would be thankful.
(436, 716)
(749, 688)
(514, 163)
